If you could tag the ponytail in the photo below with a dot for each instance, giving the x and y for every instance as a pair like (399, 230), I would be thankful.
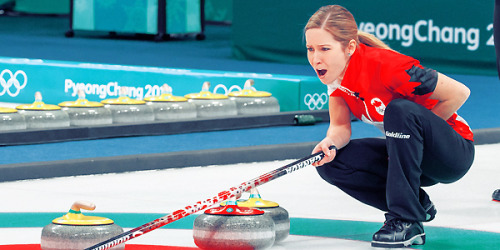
(371, 40)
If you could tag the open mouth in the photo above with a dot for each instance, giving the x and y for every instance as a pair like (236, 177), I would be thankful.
(321, 72)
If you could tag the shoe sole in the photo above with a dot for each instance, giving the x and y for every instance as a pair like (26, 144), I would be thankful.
(418, 239)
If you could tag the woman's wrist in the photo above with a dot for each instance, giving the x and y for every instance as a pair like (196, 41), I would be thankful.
(328, 141)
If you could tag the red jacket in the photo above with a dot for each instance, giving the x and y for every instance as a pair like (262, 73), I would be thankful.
(377, 76)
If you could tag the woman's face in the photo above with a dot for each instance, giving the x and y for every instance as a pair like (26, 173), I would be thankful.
(326, 55)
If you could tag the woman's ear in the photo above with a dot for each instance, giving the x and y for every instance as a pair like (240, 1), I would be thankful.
(351, 47)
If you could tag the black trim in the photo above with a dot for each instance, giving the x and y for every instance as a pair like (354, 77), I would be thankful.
(140, 162)
(102, 165)
(35, 136)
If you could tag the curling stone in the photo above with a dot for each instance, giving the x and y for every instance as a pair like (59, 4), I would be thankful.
(496, 195)
(210, 104)
(85, 113)
(273, 210)
(126, 110)
(252, 102)
(75, 231)
(301, 120)
(170, 107)
(10, 119)
(231, 227)
(41, 115)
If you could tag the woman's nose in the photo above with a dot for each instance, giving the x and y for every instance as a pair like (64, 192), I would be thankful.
(315, 58)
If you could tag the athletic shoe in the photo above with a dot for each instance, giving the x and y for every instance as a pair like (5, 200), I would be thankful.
(399, 233)
(430, 211)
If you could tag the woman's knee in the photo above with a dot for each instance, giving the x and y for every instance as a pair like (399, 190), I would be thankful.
(335, 173)
(402, 112)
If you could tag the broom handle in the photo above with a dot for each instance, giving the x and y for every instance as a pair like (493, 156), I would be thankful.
(204, 204)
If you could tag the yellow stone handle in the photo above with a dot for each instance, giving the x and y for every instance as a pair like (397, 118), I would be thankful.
(82, 205)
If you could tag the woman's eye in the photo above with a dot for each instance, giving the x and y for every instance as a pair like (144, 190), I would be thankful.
(325, 49)
(310, 49)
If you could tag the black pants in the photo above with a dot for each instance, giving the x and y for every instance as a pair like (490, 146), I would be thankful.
(420, 149)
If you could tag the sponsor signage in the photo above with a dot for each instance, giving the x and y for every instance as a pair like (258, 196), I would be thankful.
(60, 81)
(451, 36)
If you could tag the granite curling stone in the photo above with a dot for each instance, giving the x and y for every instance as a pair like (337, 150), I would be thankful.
(10, 119)
(127, 110)
(231, 227)
(272, 209)
(83, 112)
(210, 104)
(252, 102)
(39, 115)
(169, 107)
(75, 231)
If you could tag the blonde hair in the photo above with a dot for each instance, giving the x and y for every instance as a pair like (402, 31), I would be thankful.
(339, 22)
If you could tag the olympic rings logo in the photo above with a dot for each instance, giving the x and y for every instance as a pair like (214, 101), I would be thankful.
(12, 81)
(224, 88)
(315, 101)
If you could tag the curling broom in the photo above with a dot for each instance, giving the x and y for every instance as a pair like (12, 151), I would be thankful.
(202, 205)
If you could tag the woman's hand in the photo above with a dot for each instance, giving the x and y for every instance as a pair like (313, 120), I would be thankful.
(324, 146)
